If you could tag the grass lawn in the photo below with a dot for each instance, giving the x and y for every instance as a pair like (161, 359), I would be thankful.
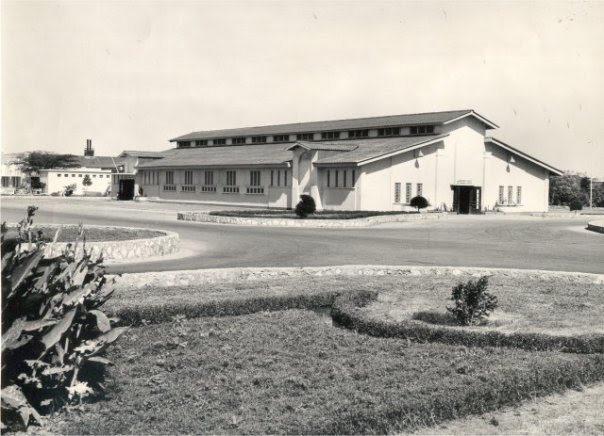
(293, 372)
(534, 306)
(97, 234)
(323, 214)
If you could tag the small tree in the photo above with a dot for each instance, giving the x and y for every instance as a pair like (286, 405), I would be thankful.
(419, 202)
(472, 301)
(86, 182)
(306, 206)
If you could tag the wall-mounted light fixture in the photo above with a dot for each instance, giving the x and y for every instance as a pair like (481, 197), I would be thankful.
(417, 154)
(510, 160)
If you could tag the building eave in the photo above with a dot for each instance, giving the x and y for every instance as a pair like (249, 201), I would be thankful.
(479, 117)
(522, 154)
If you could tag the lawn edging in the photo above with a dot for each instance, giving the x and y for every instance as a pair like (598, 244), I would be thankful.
(142, 248)
(154, 314)
(345, 312)
(217, 275)
(205, 217)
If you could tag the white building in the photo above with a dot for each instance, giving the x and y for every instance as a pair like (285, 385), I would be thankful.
(12, 176)
(375, 163)
(57, 179)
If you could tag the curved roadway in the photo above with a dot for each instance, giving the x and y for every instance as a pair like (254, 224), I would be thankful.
(487, 241)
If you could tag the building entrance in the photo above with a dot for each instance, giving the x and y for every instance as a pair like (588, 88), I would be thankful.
(126, 189)
(466, 199)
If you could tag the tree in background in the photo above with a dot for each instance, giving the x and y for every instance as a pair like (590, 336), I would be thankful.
(34, 161)
(86, 182)
(569, 189)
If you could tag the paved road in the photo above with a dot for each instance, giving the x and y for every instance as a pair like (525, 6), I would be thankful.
(523, 242)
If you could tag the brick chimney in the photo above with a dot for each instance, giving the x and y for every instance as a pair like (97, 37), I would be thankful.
(88, 151)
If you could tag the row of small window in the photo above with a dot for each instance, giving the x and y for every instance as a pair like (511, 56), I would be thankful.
(339, 178)
(11, 181)
(225, 189)
(419, 190)
(359, 133)
(107, 176)
(510, 197)
(278, 178)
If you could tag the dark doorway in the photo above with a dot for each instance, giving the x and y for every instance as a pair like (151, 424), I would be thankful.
(465, 193)
(126, 189)
(466, 199)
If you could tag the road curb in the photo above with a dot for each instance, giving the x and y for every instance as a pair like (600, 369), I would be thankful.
(596, 226)
(218, 275)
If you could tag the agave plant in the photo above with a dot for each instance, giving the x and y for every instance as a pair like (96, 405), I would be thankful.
(53, 333)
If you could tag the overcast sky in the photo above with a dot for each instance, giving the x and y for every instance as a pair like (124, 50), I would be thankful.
(134, 74)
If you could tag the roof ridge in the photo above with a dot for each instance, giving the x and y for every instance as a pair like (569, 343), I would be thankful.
(333, 121)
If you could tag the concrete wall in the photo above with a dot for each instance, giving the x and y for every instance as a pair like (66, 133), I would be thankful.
(377, 184)
(340, 197)
(56, 180)
(533, 179)
(273, 196)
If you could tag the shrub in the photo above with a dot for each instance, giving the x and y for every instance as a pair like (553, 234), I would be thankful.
(69, 189)
(306, 206)
(53, 335)
(576, 204)
(419, 202)
(472, 301)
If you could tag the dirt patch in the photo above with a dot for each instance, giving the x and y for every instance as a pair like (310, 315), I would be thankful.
(525, 305)
(571, 413)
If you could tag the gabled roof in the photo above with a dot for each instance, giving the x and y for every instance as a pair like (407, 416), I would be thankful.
(140, 153)
(513, 150)
(228, 156)
(99, 161)
(429, 118)
(371, 150)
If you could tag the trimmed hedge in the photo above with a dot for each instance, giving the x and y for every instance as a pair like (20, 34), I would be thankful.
(345, 312)
(153, 314)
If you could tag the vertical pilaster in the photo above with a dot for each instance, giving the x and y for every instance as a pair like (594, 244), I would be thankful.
(295, 190)
(314, 181)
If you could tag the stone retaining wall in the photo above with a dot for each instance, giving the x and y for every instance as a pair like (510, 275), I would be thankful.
(293, 222)
(596, 226)
(210, 276)
(123, 250)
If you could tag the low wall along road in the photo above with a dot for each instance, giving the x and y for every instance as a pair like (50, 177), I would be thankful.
(204, 217)
(166, 243)
(220, 275)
